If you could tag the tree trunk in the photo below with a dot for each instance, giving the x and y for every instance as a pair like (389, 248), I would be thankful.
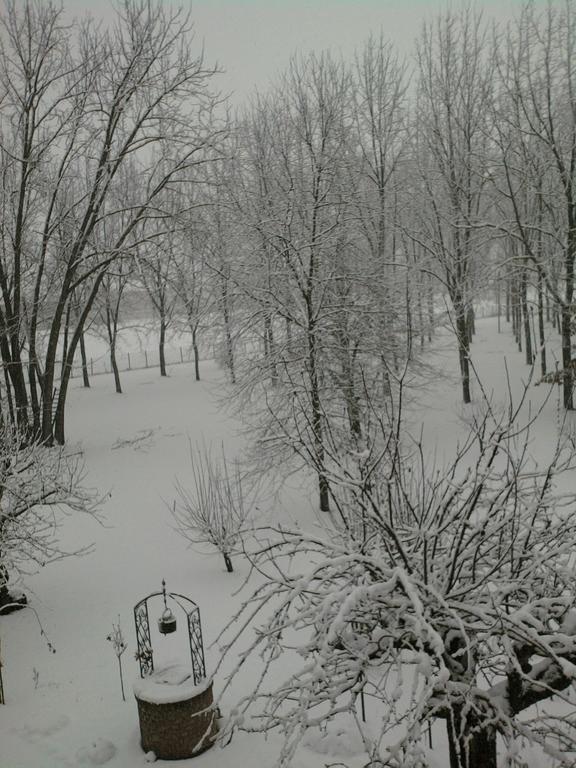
(316, 419)
(349, 386)
(513, 315)
(114, 365)
(85, 378)
(270, 346)
(56, 430)
(59, 415)
(20, 393)
(430, 296)
(470, 746)
(463, 351)
(112, 329)
(541, 332)
(526, 317)
(196, 355)
(228, 562)
(50, 373)
(65, 339)
(353, 413)
(567, 310)
(568, 377)
(517, 315)
(421, 319)
(47, 412)
(324, 493)
(6, 599)
(161, 345)
(4, 596)
(471, 323)
(33, 382)
(227, 328)
(11, 413)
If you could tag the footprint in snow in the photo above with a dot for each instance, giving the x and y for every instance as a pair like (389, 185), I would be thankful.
(100, 752)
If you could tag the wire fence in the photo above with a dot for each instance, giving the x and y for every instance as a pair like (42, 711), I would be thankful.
(134, 361)
(140, 359)
(212, 347)
(150, 358)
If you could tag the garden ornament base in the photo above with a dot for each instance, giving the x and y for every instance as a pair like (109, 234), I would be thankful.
(177, 717)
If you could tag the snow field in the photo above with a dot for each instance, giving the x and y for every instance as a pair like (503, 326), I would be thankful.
(69, 712)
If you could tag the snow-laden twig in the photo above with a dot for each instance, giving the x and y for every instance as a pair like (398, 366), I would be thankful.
(447, 595)
(116, 637)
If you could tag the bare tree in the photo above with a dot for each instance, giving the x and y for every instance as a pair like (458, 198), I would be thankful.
(377, 179)
(536, 121)
(109, 308)
(223, 254)
(155, 259)
(215, 511)
(290, 200)
(194, 282)
(80, 103)
(381, 81)
(452, 143)
(444, 593)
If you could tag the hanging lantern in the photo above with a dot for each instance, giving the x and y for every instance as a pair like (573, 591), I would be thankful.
(167, 622)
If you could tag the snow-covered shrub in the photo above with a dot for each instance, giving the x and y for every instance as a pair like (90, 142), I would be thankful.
(214, 511)
(39, 486)
(453, 600)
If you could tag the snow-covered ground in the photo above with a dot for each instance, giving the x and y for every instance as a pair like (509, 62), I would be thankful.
(65, 709)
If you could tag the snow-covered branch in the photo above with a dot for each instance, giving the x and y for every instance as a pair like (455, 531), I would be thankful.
(445, 592)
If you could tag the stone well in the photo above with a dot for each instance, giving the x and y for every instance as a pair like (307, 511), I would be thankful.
(177, 718)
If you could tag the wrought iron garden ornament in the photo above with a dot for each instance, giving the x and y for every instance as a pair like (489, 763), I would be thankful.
(167, 625)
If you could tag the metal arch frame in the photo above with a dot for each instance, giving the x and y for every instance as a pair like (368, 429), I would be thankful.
(144, 641)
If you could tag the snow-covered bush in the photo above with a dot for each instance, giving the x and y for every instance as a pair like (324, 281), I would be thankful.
(39, 486)
(443, 592)
(214, 511)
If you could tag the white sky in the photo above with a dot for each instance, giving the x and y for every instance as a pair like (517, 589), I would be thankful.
(254, 39)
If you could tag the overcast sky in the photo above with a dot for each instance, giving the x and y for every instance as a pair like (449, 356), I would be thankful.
(254, 39)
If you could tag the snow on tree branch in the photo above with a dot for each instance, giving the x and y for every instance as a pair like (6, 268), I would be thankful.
(39, 487)
(444, 592)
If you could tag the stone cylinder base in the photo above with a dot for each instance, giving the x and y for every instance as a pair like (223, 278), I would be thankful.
(178, 730)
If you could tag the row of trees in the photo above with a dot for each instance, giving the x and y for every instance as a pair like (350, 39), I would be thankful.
(103, 131)
(365, 207)
(100, 127)
(343, 207)
(360, 208)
